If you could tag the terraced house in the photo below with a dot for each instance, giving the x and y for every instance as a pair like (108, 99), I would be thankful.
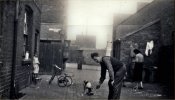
(19, 40)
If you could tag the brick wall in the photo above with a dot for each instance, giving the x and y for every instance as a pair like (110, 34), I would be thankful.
(23, 70)
(54, 12)
(161, 32)
(124, 29)
(141, 38)
(87, 56)
(158, 9)
(1, 31)
(22, 73)
(74, 54)
(50, 34)
(7, 44)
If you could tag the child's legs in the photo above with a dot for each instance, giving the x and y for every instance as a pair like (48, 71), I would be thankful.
(34, 78)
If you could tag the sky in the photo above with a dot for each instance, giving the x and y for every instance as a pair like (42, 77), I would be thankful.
(95, 17)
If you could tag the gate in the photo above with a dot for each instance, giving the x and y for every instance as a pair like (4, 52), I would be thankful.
(50, 53)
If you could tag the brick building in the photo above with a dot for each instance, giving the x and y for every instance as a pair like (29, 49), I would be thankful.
(53, 17)
(53, 34)
(154, 22)
(19, 34)
(84, 54)
(83, 46)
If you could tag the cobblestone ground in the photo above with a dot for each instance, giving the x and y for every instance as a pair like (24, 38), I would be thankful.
(74, 92)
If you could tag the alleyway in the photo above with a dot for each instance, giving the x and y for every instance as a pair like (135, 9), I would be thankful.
(74, 92)
(40, 33)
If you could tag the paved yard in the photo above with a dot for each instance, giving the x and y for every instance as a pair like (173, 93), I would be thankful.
(74, 92)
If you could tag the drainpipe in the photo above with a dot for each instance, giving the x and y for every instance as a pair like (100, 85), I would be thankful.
(12, 87)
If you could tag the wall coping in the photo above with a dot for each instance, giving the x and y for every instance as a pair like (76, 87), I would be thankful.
(141, 28)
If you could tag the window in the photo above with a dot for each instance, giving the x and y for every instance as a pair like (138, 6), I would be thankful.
(36, 41)
(25, 43)
(27, 32)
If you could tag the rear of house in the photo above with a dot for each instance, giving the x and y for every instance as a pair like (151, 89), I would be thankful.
(154, 22)
(19, 35)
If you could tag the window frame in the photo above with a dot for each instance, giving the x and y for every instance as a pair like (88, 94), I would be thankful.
(27, 30)
(25, 33)
(36, 41)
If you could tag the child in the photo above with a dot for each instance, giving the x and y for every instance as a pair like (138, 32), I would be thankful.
(56, 70)
(36, 69)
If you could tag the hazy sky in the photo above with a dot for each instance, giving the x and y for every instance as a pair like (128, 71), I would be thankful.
(95, 17)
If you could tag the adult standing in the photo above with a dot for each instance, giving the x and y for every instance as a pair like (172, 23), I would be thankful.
(116, 71)
(138, 69)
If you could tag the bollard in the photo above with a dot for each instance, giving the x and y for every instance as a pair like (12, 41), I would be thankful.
(153, 73)
(80, 65)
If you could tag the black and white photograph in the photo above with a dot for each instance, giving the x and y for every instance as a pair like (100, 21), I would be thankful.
(87, 49)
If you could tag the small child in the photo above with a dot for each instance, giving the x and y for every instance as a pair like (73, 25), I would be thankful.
(36, 63)
(87, 88)
(124, 85)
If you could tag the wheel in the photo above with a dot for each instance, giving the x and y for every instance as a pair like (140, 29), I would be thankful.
(62, 81)
(68, 80)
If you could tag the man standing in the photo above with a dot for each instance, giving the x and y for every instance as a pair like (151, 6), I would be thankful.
(116, 71)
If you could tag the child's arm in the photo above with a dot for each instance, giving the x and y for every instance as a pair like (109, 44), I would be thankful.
(57, 67)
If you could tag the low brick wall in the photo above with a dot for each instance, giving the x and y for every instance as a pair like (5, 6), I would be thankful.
(87, 56)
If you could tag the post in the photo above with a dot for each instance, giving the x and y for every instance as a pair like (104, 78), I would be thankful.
(80, 60)
(62, 48)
